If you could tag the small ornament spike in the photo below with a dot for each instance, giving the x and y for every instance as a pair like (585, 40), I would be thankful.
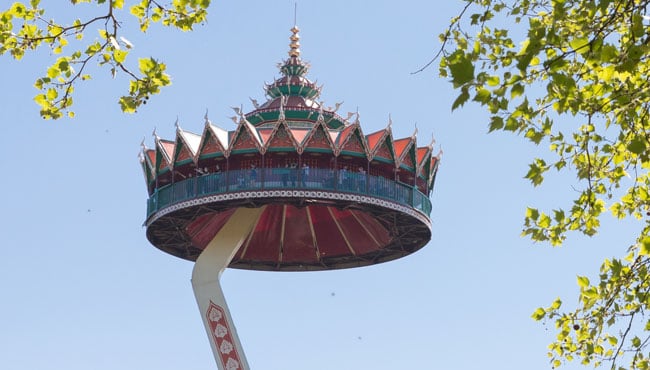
(295, 13)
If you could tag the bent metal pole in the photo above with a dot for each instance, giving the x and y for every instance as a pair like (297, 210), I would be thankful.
(214, 259)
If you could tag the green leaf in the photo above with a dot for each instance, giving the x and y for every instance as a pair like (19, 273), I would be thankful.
(538, 314)
(496, 123)
(482, 96)
(516, 90)
(460, 100)
(583, 281)
(579, 44)
(637, 145)
(18, 10)
(532, 213)
(462, 69)
(128, 104)
(493, 80)
(645, 246)
(120, 55)
(556, 304)
(53, 71)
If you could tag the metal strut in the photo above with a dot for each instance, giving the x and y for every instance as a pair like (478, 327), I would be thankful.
(226, 347)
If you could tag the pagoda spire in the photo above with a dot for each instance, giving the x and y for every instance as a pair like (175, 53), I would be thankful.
(294, 46)
(294, 66)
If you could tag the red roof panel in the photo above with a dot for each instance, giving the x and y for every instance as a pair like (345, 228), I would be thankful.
(374, 139)
(401, 145)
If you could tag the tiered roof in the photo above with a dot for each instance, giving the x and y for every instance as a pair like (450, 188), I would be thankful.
(293, 119)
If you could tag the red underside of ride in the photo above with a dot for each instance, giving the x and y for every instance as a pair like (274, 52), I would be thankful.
(289, 234)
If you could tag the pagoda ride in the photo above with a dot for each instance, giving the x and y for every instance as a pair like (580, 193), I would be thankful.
(294, 187)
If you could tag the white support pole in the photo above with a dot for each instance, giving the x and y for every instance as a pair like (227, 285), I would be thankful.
(228, 351)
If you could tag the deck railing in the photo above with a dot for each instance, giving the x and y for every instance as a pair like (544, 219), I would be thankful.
(290, 179)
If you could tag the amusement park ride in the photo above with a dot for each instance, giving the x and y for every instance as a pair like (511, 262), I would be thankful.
(294, 187)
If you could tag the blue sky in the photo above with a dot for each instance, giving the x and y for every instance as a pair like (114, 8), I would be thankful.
(82, 288)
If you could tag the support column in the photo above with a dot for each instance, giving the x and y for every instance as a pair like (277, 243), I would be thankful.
(214, 259)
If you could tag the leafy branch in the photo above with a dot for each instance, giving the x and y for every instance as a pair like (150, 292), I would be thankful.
(572, 75)
(24, 28)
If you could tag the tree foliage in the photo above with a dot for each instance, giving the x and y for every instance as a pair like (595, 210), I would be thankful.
(25, 27)
(573, 75)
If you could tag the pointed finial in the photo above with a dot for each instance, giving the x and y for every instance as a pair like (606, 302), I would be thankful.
(415, 133)
(153, 133)
(390, 121)
(433, 141)
(207, 120)
(294, 45)
(142, 144)
(356, 120)
(178, 126)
